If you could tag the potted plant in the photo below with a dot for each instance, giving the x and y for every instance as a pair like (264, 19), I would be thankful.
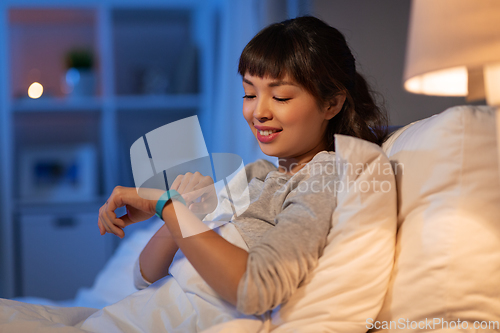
(80, 76)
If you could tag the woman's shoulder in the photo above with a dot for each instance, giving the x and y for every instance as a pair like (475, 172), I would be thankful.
(322, 166)
(324, 159)
(259, 169)
(323, 156)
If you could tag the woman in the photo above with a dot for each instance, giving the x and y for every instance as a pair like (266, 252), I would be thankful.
(301, 88)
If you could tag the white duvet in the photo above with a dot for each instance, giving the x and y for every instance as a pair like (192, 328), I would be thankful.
(182, 302)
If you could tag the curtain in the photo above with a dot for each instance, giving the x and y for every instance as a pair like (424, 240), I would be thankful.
(239, 21)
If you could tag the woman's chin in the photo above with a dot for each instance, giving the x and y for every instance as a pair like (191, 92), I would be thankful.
(269, 151)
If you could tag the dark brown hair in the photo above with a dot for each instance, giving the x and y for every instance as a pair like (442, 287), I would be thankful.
(317, 57)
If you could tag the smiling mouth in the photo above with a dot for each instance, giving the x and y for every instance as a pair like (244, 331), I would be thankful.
(267, 132)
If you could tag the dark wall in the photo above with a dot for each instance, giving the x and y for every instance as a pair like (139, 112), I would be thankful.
(376, 32)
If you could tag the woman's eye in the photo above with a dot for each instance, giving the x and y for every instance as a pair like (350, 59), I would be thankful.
(282, 99)
(249, 96)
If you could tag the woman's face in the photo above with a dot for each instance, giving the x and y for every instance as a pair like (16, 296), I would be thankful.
(284, 117)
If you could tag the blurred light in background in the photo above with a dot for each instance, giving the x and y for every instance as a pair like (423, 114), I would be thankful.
(35, 90)
(453, 49)
(447, 82)
(491, 86)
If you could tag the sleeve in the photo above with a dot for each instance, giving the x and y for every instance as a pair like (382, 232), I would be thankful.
(288, 252)
(139, 281)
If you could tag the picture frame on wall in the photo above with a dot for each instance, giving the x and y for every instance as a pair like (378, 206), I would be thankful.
(58, 173)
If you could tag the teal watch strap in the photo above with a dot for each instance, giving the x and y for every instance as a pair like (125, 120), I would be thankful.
(162, 201)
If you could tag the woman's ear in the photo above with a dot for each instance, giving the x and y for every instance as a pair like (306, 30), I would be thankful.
(335, 105)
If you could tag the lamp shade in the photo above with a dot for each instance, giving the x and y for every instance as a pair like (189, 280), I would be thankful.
(450, 45)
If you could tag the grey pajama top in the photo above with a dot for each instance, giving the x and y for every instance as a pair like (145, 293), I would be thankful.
(285, 227)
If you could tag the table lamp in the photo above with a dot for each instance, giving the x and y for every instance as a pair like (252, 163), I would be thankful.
(454, 50)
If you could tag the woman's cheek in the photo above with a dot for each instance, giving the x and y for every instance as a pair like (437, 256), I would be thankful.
(290, 116)
(247, 112)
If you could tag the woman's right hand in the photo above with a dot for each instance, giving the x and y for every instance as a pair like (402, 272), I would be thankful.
(139, 208)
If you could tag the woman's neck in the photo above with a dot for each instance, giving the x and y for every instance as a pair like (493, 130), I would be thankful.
(292, 165)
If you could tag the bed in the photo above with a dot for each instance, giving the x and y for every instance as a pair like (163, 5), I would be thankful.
(354, 269)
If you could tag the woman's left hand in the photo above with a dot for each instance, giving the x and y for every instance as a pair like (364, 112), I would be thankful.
(198, 191)
(139, 208)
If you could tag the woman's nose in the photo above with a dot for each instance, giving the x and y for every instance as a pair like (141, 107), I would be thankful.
(262, 111)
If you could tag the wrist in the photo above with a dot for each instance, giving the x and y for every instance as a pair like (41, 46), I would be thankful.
(165, 199)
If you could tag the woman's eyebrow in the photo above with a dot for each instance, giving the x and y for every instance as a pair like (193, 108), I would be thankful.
(274, 83)
(281, 83)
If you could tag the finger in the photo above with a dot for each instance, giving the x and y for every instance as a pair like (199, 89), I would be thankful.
(208, 196)
(211, 201)
(103, 223)
(109, 216)
(102, 231)
(197, 208)
(195, 193)
(205, 185)
(112, 203)
(124, 220)
(177, 182)
(201, 186)
(185, 182)
(108, 221)
(120, 233)
(207, 180)
(116, 231)
(114, 228)
(204, 206)
(119, 223)
(195, 182)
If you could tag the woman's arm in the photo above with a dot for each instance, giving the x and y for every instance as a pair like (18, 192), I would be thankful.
(157, 255)
(220, 263)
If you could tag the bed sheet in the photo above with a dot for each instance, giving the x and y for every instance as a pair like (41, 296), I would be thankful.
(181, 302)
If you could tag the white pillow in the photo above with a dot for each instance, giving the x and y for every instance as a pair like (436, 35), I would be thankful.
(349, 284)
(448, 244)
